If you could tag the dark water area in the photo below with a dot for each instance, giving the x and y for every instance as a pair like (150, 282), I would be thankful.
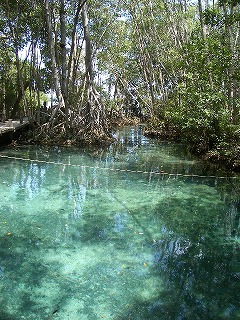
(140, 230)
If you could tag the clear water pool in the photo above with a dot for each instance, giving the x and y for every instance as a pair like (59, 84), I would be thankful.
(122, 233)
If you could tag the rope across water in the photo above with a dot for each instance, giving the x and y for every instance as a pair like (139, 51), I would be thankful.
(161, 173)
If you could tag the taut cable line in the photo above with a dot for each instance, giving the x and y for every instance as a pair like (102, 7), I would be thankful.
(160, 173)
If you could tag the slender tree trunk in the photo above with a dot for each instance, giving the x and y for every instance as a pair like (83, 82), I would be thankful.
(204, 37)
(88, 60)
(21, 92)
(20, 84)
(56, 78)
(200, 10)
(88, 49)
(232, 84)
(73, 50)
(64, 61)
(37, 77)
(94, 112)
(3, 97)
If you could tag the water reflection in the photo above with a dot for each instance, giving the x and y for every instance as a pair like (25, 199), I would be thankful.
(199, 277)
(89, 241)
(199, 269)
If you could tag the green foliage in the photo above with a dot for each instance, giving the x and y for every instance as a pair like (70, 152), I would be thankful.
(229, 2)
(179, 66)
(206, 99)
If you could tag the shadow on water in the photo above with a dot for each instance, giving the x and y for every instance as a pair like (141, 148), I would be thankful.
(194, 287)
(23, 266)
(198, 264)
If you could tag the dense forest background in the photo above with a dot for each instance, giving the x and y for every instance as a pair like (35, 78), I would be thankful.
(173, 64)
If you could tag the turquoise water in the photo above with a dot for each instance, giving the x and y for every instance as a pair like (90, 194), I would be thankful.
(108, 234)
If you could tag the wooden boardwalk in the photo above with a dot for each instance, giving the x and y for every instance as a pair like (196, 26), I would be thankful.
(10, 129)
(12, 125)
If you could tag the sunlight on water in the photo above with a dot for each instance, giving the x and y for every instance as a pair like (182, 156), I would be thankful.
(83, 242)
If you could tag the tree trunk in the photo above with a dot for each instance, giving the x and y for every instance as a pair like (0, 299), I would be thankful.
(18, 100)
(20, 85)
(204, 37)
(73, 50)
(94, 113)
(64, 60)
(55, 75)
(3, 98)
(232, 85)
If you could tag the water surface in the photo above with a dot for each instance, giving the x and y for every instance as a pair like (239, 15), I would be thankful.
(139, 231)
